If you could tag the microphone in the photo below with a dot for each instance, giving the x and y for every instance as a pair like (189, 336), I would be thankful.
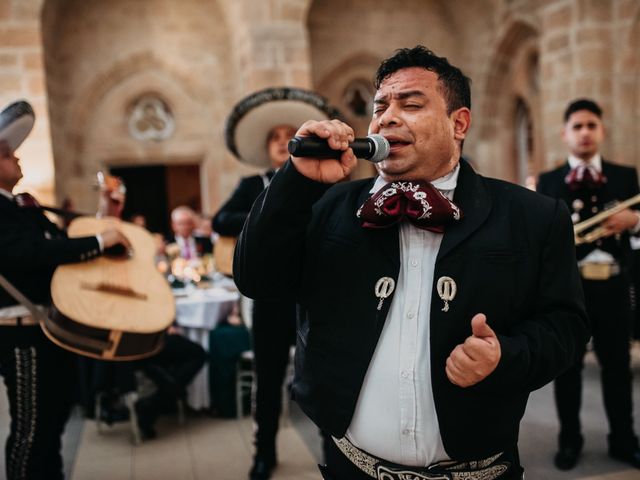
(374, 148)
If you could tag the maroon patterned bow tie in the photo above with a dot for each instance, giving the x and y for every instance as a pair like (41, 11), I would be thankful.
(419, 202)
(584, 177)
(26, 200)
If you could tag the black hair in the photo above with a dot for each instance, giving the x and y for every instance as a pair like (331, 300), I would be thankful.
(455, 85)
(582, 104)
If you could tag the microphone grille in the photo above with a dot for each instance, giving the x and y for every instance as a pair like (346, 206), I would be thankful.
(382, 148)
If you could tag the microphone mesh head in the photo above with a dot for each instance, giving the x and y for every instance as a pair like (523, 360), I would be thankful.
(382, 148)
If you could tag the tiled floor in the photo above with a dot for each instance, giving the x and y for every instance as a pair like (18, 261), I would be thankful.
(205, 448)
(202, 449)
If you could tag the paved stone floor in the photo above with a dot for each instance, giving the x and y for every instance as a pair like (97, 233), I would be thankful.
(206, 448)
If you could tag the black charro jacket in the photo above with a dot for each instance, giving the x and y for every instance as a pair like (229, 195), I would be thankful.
(512, 257)
(231, 217)
(622, 183)
(31, 247)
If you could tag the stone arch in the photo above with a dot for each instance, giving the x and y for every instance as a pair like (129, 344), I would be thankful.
(113, 53)
(177, 85)
(511, 81)
(100, 113)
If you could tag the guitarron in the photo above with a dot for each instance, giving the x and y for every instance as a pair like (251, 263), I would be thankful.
(111, 308)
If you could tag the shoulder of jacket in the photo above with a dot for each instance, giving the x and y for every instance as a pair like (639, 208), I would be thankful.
(511, 192)
(611, 166)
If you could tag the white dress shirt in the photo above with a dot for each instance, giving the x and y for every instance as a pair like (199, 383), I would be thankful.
(187, 252)
(395, 417)
(6, 193)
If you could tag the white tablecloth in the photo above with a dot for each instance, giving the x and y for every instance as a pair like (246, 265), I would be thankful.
(197, 312)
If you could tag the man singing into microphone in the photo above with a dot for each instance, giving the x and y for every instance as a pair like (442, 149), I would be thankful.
(433, 300)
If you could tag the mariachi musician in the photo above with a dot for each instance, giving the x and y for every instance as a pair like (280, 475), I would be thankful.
(589, 184)
(258, 131)
(37, 373)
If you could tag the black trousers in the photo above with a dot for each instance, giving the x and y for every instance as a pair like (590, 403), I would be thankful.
(39, 377)
(274, 327)
(609, 312)
(339, 467)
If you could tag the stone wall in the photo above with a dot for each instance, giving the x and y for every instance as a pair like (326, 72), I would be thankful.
(22, 77)
(527, 59)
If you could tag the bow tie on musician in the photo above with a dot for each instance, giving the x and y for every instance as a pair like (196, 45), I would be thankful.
(418, 202)
(585, 176)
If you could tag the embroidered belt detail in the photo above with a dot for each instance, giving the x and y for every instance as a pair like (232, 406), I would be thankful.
(599, 271)
(26, 413)
(485, 469)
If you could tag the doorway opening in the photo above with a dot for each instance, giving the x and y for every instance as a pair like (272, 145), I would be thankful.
(154, 190)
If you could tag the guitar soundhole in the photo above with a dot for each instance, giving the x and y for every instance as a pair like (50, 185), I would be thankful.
(118, 252)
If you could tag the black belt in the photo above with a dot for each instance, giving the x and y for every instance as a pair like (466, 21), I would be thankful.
(490, 468)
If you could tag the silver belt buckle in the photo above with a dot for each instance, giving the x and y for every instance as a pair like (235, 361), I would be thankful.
(596, 271)
(389, 473)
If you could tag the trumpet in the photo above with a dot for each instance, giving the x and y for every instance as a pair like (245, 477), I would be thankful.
(580, 229)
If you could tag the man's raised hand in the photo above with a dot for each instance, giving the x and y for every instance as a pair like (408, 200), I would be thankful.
(475, 359)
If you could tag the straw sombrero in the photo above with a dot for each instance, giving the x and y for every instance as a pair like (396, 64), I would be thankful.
(16, 121)
(254, 116)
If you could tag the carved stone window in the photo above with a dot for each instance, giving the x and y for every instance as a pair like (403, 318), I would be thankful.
(151, 119)
(358, 98)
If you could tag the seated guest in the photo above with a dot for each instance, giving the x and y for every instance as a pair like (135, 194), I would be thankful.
(227, 342)
(171, 370)
(183, 224)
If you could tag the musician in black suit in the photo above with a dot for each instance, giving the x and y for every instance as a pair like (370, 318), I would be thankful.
(416, 350)
(270, 115)
(588, 184)
(38, 374)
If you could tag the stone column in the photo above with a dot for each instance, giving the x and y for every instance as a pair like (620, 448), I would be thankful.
(271, 43)
(576, 61)
(22, 77)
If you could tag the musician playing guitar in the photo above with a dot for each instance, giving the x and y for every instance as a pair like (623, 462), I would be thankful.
(38, 374)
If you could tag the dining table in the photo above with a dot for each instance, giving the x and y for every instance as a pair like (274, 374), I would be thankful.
(199, 309)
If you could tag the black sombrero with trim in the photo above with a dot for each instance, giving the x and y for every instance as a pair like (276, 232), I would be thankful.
(252, 118)
(16, 122)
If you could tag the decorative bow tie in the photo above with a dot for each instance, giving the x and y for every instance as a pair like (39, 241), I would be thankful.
(419, 202)
(584, 177)
(26, 200)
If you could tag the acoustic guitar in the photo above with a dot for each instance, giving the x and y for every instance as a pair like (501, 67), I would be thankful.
(111, 308)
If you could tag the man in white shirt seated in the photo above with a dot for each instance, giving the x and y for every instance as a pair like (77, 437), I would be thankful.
(183, 224)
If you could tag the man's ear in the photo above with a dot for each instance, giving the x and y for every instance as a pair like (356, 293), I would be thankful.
(461, 122)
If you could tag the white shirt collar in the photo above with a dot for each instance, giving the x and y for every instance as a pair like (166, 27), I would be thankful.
(595, 162)
(6, 193)
(445, 184)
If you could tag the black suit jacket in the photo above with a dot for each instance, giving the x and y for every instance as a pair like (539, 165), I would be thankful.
(232, 215)
(622, 183)
(31, 247)
(512, 258)
(204, 246)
